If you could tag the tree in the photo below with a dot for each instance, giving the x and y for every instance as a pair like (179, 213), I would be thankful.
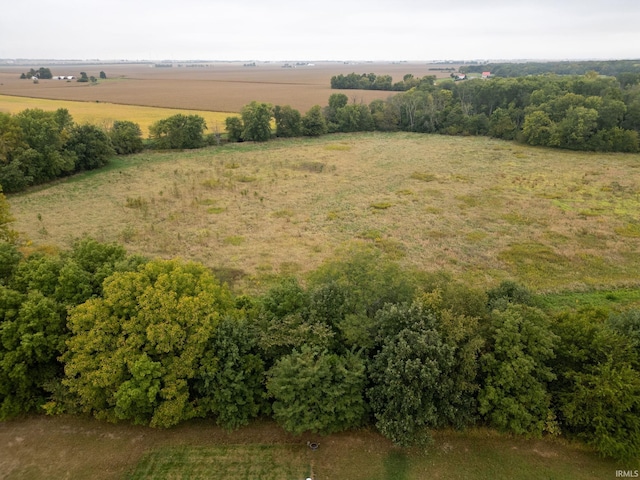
(313, 122)
(256, 118)
(135, 353)
(32, 335)
(234, 127)
(91, 145)
(538, 129)
(514, 395)
(178, 132)
(597, 391)
(411, 389)
(45, 133)
(7, 234)
(318, 392)
(126, 137)
(288, 121)
(103, 76)
(83, 77)
(230, 383)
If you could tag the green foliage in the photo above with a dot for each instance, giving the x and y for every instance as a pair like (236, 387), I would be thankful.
(288, 121)
(45, 134)
(7, 234)
(91, 145)
(32, 335)
(411, 388)
(314, 123)
(514, 395)
(126, 137)
(234, 128)
(317, 392)
(134, 353)
(285, 323)
(627, 324)
(256, 118)
(597, 390)
(230, 383)
(506, 293)
(178, 132)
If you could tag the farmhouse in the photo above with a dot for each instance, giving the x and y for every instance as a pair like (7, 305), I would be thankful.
(486, 74)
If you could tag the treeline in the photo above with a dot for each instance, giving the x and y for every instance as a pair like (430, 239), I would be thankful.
(361, 342)
(602, 67)
(38, 146)
(371, 81)
(43, 73)
(578, 113)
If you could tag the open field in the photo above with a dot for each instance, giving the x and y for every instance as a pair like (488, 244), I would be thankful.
(482, 209)
(104, 114)
(40, 447)
(217, 87)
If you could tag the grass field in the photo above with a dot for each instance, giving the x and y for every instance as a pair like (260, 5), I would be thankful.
(104, 114)
(482, 209)
(71, 447)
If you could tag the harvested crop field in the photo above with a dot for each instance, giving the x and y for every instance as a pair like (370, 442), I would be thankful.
(216, 86)
(104, 114)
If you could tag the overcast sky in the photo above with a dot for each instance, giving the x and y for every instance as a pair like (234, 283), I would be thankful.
(321, 30)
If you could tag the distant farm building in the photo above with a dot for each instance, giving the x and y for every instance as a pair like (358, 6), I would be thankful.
(486, 74)
(64, 77)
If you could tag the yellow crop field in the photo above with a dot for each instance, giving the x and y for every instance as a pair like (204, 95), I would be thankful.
(104, 114)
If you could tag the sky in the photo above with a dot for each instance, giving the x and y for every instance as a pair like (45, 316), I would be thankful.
(320, 30)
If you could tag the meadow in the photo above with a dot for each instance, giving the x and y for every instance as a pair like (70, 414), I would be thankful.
(483, 210)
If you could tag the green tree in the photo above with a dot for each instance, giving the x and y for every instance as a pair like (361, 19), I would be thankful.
(7, 234)
(318, 392)
(135, 353)
(32, 335)
(256, 118)
(234, 127)
(538, 129)
(514, 396)
(411, 388)
(596, 393)
(126, 137)
(45, 134)
(91, 146)
(103, 76)
(314, 123)
(178, 132)
(230, 383)
(288, 121)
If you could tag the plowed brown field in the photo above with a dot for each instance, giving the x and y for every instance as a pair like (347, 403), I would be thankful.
(218, 86)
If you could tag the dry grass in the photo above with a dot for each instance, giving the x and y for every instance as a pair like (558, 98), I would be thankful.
(218, 87)
(72, 447)
(491, 210)
(104, 114)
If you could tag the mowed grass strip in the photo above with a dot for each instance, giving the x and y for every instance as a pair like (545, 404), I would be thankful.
(491, 210)
(104, 114)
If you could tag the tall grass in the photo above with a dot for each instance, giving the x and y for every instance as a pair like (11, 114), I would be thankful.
(481, 209)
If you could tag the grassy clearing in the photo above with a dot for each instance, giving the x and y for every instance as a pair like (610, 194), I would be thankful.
(481, 209)
(41, 447)
(104, 114)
